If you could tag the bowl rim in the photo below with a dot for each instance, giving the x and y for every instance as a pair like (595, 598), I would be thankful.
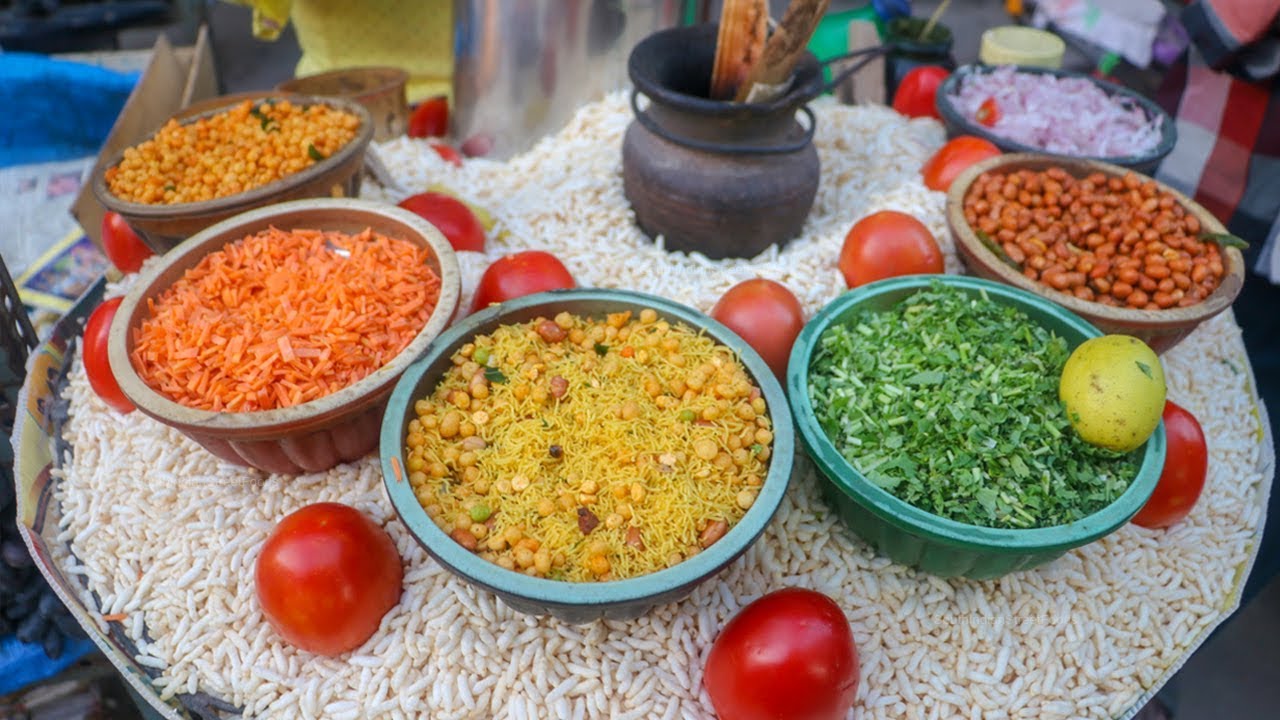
(584, 594)
(388, 78)
(155, 211)
(251, 425)
(887, 506)
(952, 117)
(1168, 319)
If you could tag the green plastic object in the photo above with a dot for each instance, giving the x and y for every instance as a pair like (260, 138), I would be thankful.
(909, 535)
(568, 601)
(831, 38)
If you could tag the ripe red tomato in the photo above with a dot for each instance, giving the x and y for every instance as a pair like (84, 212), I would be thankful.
(765, 314)
(1186, 462)
(451, 217)
(888, 244)
(915, 94)
(430, 118)
(326, 576)
(93, 347)
(122, 245)
(954, 158)
(447, 153)
(522, 273)
(988, 112)
(789, 654)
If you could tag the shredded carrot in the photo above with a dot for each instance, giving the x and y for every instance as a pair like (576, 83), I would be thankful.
(115, 617)
(280, 318)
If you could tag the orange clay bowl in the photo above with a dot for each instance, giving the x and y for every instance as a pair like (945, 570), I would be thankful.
(163, 227)
(315, 435)
(1161, 329)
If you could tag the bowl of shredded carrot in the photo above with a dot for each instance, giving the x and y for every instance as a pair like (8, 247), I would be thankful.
(274, 338)
(233, 155)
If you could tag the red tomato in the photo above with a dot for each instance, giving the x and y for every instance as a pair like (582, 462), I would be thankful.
(766, 315)
(122, 245)
(93, 347)
(523, 273)
(888, 244)
(988, 113)
(430, 118)
(1186, 462)
(915, 94)
(790, 655)
(954, 158)
(451, 217)
(447, 154)
(326, 576)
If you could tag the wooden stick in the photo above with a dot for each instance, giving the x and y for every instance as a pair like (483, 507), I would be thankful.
(933, 19)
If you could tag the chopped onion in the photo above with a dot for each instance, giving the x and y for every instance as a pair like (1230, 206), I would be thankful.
(1067, 116)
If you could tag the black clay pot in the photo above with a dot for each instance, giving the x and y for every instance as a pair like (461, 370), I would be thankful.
(720, 178)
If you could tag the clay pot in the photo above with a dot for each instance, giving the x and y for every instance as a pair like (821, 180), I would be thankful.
(720, 178)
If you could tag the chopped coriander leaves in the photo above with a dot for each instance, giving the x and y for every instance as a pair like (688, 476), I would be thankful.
(494, 375)
(950, 402)
(313, 153)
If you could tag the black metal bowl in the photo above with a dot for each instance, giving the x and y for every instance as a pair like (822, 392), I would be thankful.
(957, 124)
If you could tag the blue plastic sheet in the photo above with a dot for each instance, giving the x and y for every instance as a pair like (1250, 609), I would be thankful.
(55, 109)
(890, 9)
(23, 664)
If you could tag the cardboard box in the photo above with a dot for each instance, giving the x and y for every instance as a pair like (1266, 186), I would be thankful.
(174, 79)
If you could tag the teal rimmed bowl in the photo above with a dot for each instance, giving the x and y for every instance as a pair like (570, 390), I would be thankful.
(920, 539)
(569, 601)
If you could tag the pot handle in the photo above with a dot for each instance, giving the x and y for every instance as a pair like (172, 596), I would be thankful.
(865, 56)
(724, 148)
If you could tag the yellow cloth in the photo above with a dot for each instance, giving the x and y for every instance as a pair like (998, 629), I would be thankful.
(416, 35)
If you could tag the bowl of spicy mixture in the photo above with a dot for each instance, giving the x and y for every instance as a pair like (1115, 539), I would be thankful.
(246, 153)
(930, 405)
(587, 453)
(274, 338)
(1125, 252)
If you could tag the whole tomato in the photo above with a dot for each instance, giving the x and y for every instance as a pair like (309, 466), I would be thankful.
(790, 655)
(765, 314)
(122, 245)
(1186, 462)
(447, 153)
(954, 158)
(522, 273)
(326, 576)
(915, 94)
(451, 217)
(888, 244)
(430, 118)
(96, 365)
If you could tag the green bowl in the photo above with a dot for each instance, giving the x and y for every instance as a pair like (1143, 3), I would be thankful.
(568, 601)
(920, 539)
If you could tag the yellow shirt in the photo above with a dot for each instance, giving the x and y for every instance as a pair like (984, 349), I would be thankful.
(416, 35)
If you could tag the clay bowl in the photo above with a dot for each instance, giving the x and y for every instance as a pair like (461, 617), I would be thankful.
(163, 227)
(1161, 329)
(316, 435)
(380, 89)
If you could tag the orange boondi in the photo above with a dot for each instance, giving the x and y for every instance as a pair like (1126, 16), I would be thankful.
(280, 318)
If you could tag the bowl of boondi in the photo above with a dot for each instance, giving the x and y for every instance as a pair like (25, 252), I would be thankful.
(247, 152)
(274, 338)
(587, 453)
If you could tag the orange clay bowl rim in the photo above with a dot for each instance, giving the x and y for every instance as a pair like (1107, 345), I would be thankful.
(263, 424)
(974, 251)
(357, 144)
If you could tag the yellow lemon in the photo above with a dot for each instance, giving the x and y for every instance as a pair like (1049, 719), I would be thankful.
(1113, 389)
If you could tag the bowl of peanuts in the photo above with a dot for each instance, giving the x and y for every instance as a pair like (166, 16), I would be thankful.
(587, 453)
(248, 152)
(1126, 252)
(274, 338)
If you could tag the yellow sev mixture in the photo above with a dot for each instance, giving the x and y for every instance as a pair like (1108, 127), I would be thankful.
(233, 151)
(581, 449)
